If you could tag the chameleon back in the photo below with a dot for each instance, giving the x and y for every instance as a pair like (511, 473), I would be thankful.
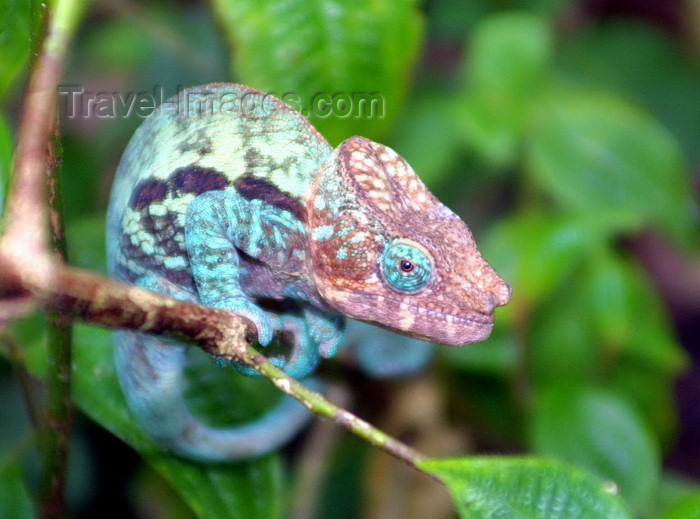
(204, 139)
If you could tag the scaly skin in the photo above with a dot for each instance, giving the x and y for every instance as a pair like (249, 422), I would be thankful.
(229, 198)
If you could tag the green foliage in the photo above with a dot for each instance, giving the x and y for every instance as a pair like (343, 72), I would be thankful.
(15, 40)
(596, 154)
(15, 501)
(687, 509)
(5, 159)
(522, 488)
(641, 62)
(427, 139)
(314, 47)
(550, 247)
(241, 490)
(600, 432)
(505, 69)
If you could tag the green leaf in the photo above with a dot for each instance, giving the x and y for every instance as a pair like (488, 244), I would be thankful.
(645, 62)
(651, 390)
(600, 432)
(327, 56)
(496, 356)
(600, 156)
(424, 135)
(15, 500)
(15, 40)
(687, 509)
(605, 324)
(86, 243)
(5, 159)
(524, 488)
(237, 490)
(508, 57)
(535, 251)
(627, 314)
(509, 53)
(675, 493)
(607, 311)
(562, 348)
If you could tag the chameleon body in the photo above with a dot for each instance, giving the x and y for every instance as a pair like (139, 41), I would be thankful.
(227, 197)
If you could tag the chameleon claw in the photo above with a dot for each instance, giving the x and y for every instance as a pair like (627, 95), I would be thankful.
(265, 322)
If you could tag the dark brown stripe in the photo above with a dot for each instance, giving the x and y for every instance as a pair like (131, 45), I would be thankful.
(250, 188)
(197, 180)
(148, 192)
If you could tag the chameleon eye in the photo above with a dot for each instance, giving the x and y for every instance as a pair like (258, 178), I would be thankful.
(405, 267)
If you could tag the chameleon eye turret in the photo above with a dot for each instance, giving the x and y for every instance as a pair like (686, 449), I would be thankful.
(229, 198)
(405, 267)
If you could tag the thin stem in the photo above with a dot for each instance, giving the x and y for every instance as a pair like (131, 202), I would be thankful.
(314, 459)
(321, 406)
(23, 247)
(57, 419)
(58, 412)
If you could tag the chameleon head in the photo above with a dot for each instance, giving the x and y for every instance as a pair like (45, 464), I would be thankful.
(386, 251)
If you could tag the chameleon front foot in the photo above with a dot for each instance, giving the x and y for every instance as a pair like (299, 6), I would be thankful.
(299, 353)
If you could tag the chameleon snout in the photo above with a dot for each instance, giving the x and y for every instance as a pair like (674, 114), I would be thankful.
(497, 296)
(489, 301)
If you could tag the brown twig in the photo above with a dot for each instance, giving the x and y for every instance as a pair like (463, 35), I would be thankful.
(97, 300)
(58, 411)
(25, 259)
(94, 299)
(23, 245)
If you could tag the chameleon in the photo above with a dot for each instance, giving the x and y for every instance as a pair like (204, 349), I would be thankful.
(227, 197)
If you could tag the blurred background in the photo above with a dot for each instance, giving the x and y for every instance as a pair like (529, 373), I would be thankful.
(566, 133)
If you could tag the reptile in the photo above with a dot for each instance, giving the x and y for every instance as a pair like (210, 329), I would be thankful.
(227, 197)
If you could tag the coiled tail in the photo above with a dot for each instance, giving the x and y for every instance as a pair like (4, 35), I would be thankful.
(151, 372)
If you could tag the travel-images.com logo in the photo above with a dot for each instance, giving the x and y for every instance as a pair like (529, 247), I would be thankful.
(78, 103)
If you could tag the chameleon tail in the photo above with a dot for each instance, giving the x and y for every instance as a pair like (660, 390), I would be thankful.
(151, 374)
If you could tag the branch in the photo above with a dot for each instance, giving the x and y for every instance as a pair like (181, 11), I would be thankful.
(23, 244)
(58, 409)
(97, 300)
(24, 255)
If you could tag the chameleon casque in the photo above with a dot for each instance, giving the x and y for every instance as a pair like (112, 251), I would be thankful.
(228, 197)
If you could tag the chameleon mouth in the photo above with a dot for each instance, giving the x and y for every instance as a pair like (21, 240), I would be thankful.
(477, 318)
(417, 321)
